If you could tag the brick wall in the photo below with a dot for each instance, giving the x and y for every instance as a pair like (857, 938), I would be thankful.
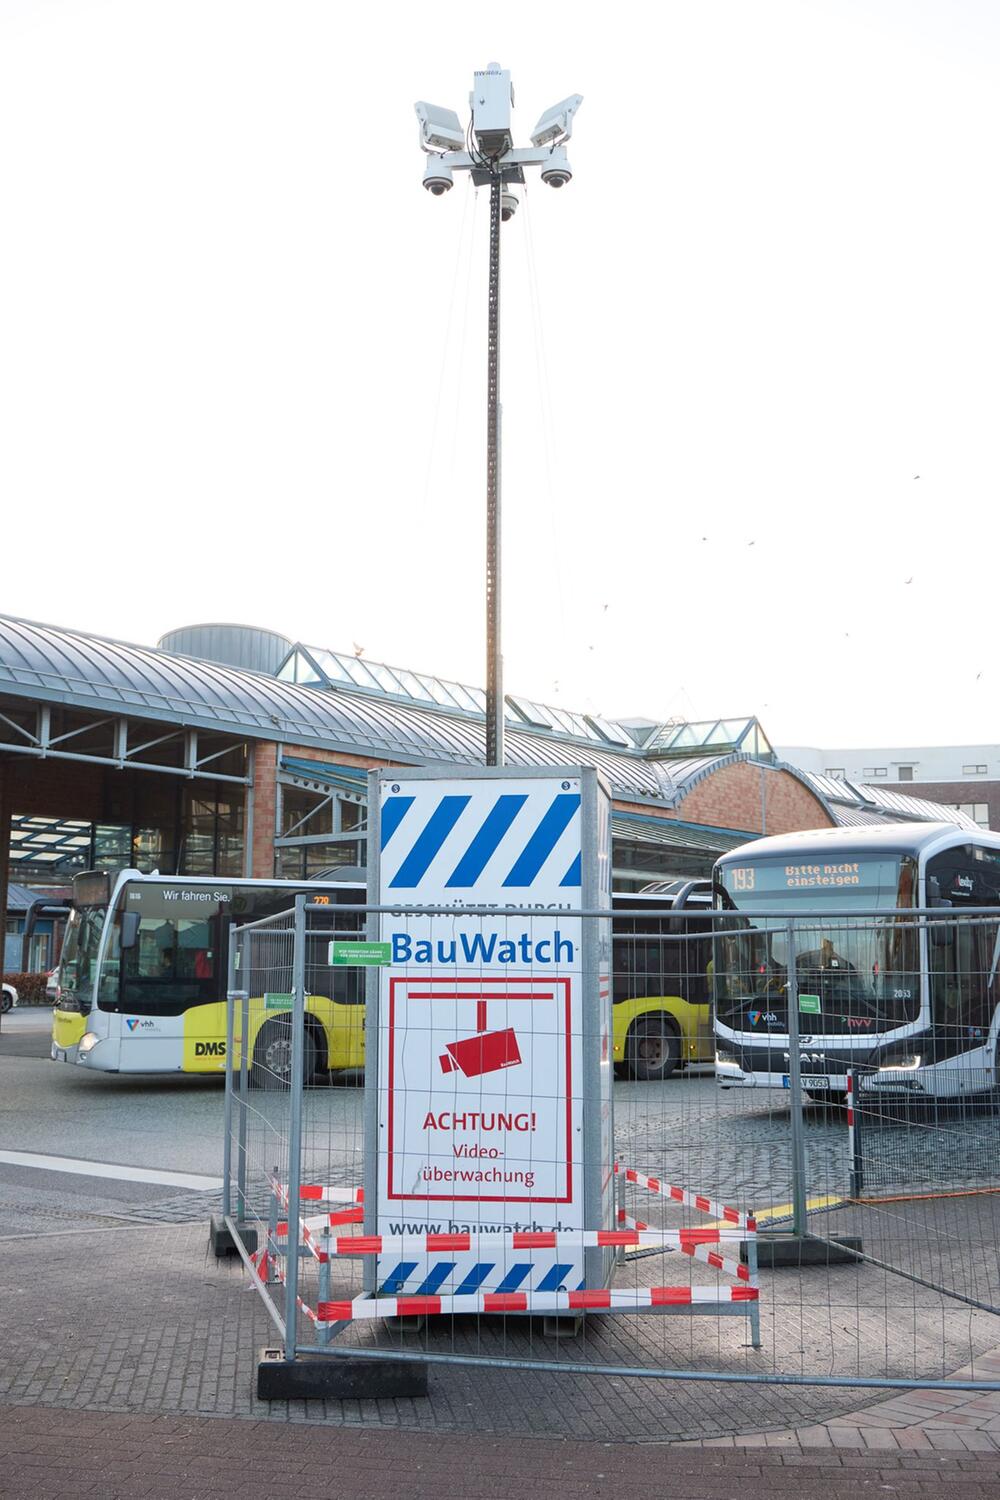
(265, 788)
(265, 776)
(732, 798)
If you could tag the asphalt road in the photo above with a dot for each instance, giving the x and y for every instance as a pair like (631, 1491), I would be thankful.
(732, 1144)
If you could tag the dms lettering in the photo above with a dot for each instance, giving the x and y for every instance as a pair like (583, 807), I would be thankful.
(477, 949)
(209, 1049)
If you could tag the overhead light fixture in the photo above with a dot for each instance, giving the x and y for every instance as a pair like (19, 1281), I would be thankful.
(440, 129)
(556, 125)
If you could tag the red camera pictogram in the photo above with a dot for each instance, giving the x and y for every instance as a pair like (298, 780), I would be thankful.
(486, 1052)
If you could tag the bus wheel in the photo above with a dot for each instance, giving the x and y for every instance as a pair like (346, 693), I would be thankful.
(653, 1048)
(272, 1055)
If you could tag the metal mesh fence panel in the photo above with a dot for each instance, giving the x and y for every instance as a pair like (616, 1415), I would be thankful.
(925, 1130)
(639, 1185)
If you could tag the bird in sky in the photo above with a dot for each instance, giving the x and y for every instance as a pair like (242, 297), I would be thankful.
(916, 476)
(909, 580)
(751, 544)
(358, 650)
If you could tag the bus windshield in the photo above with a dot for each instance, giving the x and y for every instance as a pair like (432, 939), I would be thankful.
(860, 977)
(79, 956)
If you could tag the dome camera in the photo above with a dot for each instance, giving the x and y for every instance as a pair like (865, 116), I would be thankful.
(508, 205)
(437, 176)
(557, 170)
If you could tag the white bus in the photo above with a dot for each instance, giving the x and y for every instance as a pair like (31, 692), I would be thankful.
(913, 1004)
(144, 969)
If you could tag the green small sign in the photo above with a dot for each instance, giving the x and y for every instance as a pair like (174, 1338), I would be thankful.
(361, 955)
(278, 1002)
(810, 1004)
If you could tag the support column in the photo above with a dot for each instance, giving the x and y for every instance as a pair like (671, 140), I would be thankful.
(5, 815)
(264, 832)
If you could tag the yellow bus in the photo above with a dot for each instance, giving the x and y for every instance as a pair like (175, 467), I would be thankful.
(143, 979)
(661, 981)
(144, 969)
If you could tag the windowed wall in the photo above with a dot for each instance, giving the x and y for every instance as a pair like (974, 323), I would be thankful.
(979, 812)
(211, 833)
(320, 828)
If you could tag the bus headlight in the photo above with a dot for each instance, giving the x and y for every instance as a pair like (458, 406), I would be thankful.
(724, 1054)
(88, 1042)
(906, 1064)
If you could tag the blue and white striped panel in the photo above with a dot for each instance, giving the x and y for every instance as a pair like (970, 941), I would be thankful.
(457, 841)
(458, 1278)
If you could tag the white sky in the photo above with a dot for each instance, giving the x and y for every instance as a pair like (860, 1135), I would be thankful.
(242, 352)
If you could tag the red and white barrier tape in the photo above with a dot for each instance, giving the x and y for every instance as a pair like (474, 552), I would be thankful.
(696, 1242)
(533, 1302)
(314, 1192)
(279, 1275)
(691, 1200)
(632, 1235)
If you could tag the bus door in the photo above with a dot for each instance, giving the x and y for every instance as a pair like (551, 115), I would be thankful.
(170, 1000)
(697, 987)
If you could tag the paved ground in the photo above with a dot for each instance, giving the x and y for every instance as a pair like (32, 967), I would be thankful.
(129, 1352)
(115, 1457)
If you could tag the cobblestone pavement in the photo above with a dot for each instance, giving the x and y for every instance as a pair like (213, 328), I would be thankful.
(109, 1456)
(144, 1319)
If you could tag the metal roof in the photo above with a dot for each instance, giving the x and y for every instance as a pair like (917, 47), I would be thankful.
(855, 806)
(55, 665)
(666, 833)
(716, 735)
(23, 897)
(317, 666)
(45, 663)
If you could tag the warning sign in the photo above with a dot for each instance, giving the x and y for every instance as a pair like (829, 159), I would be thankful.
(495, 1123)
(489, 1021)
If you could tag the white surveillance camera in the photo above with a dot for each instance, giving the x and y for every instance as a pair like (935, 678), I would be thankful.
(438, 176)
(557, 170)
(440, 129)
(556, 125)
(508, 205)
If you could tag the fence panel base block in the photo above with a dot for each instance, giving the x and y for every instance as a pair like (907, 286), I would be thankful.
(778, 1251)
(221, 1242)
(336, 1378)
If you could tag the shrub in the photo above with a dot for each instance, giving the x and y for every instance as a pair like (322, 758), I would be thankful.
(30, 988)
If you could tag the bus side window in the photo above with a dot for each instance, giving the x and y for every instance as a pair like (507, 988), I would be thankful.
(962, 955)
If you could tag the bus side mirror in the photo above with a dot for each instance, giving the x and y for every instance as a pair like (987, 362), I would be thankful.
(130, 929)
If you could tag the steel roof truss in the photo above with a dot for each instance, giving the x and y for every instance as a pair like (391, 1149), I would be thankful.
(42, 745)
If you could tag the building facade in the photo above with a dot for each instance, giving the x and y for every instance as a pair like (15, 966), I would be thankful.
(116, 755)
(965, 777)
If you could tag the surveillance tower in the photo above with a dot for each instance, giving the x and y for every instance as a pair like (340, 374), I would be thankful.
(487, 151)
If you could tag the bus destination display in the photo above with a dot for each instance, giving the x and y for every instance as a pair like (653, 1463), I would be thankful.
(774, 877)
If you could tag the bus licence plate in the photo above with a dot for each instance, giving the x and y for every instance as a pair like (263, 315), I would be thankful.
(809, 1081)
